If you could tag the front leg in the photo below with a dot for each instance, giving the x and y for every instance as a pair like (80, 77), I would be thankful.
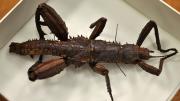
(100, 69)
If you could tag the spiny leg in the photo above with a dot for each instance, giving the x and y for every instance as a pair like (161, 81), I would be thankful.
(99, 26)
(100, 69)
(46, 69)
(144, 33)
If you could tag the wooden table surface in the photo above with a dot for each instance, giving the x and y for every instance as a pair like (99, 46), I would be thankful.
(177, 96)
(6, 5)
(2, 98)
(174, 3)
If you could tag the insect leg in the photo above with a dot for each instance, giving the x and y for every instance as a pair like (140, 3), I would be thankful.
(51, 20)
(144, 33)
(99, 26)
(39, 23)
(146, 30)
(150, 69)
(46, 69)
(100, 69)
(39, 29)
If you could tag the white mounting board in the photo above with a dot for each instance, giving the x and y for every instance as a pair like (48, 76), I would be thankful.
(83, 84)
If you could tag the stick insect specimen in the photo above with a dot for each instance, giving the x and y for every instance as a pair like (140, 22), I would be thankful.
(80, 50)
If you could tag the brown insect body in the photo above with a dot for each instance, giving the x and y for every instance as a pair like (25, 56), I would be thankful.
(83, 50)
(80, 50)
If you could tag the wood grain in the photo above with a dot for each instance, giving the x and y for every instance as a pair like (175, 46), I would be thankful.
(174, 3)
(6, 6)
(2, 98)
(177, 96)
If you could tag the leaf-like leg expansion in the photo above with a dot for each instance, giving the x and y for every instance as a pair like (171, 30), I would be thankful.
(46, 69)
(100, 69)
(51, 20)
(99, 26)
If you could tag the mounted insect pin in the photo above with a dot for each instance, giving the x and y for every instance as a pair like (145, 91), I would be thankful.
(80, 50)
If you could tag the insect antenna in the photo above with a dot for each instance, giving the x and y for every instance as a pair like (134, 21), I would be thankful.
(116, 33)
(116, 42)
(120, 69)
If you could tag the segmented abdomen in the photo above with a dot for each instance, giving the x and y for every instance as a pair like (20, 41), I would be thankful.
(79, 48)
(44, 47)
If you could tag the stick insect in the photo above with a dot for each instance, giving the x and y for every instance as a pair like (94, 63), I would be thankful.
(80, 50)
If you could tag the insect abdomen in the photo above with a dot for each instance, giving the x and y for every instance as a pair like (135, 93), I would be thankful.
(46, 47)
(105, 51)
